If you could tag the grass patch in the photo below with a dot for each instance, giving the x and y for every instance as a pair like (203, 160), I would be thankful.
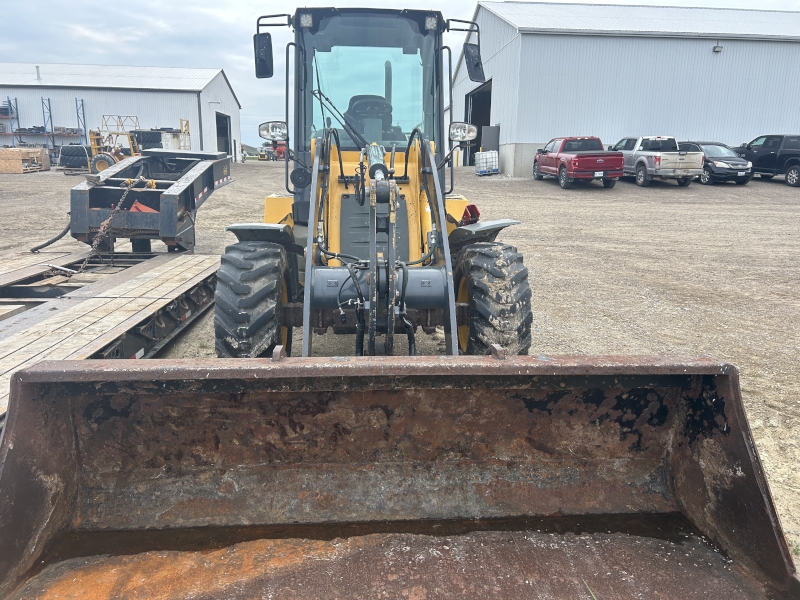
(795, 548)
(588, 588)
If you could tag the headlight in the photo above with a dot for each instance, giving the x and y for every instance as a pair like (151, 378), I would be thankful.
(722, 165)
(463, 132)
(276, 131)
(749, 164)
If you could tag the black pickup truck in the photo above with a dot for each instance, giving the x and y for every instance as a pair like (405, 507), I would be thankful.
(774, 155)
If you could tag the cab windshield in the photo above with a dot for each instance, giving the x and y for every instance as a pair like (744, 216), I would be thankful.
(372, 77)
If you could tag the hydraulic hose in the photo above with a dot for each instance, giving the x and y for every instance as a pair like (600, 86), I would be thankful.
(359, 312)
(412, 341)
(52, 240)
(418, 134)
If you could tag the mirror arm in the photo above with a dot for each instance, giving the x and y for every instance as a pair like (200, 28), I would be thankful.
(450, 87)
(288, 149)
(450, 154)
(473, 29)
(259, 24)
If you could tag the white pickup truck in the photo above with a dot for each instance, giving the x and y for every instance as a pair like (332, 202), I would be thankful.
(658, 156)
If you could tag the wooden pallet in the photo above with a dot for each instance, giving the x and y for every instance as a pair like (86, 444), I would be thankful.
(97, 318)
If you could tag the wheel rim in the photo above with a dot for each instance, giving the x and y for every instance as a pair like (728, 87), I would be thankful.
(535, 169)
(792, 176)
(563, 176)
(639, 176)
(463, 330)
(284, 302)
(101, 165)
(705, 177)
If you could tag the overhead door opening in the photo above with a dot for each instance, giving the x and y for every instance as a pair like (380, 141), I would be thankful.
(223, 133)
(478, 111)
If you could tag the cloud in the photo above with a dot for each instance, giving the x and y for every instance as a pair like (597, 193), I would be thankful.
(205, 34)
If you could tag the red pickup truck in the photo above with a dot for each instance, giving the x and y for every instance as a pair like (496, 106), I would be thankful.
(571, 158)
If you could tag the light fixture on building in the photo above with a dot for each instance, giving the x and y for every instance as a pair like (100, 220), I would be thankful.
(718, 48)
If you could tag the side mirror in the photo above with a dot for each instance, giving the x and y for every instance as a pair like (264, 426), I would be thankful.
(540, 151)
(462, 132)
(472, 58)
(611, 148)
(277, 131)
(262, 47)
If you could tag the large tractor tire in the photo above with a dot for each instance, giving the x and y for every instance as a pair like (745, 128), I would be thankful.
(252, 288)
(492, 279)
(101, 162)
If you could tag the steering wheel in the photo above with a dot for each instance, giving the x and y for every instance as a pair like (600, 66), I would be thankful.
(371, 108)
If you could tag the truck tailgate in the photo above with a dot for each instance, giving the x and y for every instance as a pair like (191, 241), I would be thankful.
(599, 161)
(681, 160)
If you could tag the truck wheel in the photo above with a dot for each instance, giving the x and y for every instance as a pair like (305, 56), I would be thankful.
(684, 181)
(609, 183)
(493, 280)
(742, 181)
(705, 177)
(793, 176)
(251, 292)
(642, 179)
(563, 179)
(536, 173)
(100, 162)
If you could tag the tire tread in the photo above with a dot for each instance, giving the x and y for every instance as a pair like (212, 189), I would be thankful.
(500, 303)
(246, 315)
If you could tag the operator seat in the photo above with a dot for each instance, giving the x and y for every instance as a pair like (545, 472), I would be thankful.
(389, 133)
(356, 119)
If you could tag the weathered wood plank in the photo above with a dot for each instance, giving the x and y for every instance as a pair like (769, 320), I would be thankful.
(81, 330)
(9, 310)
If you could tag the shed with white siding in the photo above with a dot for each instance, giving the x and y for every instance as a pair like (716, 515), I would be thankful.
(614, 71)
(158, 96)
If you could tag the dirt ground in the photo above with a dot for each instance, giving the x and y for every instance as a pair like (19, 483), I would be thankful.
(659, 270)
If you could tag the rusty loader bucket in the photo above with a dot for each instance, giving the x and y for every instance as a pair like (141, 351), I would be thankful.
(399, 477)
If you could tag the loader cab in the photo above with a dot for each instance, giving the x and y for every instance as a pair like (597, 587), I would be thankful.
(378, 71)
(374, 75)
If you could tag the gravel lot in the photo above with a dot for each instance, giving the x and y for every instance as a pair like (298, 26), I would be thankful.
(659, 270)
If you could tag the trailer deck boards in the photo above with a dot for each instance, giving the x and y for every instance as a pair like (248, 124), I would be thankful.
(20, 266)
(86, 322)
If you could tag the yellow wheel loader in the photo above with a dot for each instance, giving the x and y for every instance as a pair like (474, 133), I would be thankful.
(478, 473)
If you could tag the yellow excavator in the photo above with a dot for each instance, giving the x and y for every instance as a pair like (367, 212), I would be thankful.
(272, 472)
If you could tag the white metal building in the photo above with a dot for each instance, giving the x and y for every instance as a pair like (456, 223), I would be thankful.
(614, 71)
(77, 96)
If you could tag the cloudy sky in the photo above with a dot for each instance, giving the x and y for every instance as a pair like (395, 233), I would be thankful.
(204, 33)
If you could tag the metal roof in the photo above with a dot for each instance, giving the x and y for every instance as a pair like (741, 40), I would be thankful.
(106, 76)
(659, 21)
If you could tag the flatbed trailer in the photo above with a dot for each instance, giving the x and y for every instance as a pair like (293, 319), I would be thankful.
(125, 305)
(152, 196)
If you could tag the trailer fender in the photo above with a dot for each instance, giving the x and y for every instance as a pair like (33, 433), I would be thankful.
(478, 232)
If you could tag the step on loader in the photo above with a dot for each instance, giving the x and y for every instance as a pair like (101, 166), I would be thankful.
(479, 473)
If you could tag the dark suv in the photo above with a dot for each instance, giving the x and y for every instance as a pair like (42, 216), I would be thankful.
(721, 163)
(774, 155)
